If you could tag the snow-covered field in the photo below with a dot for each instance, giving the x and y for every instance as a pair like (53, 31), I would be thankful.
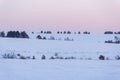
(85, 48)
(59, 70)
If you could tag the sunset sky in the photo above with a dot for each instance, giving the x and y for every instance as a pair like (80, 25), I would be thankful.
(90, 15)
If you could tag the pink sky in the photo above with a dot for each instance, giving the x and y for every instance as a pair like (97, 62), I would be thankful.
(91, 15)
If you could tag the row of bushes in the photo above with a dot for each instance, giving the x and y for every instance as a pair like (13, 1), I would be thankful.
(111, 32)
(110, 41)
(53, 38)
(18, 56)
(56, 56)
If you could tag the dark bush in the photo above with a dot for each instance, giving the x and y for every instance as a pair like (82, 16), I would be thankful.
(117, 57)
(56, 54)
(39, 37)
(52, 57)
(101, 57)
(18, 55)
(44, 38)
(22, 57)
(68, 32)
(43, 57)
(33, 57)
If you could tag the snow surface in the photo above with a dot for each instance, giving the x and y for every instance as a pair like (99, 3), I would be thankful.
(59, 70)
(83, 47)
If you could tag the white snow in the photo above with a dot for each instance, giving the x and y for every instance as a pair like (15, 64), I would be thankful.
(59, 70)
(86, 46)
(82, 47)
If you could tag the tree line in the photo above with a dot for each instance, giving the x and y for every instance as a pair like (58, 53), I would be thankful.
(14, 34)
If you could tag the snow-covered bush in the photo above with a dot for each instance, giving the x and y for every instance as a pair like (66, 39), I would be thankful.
(9, 56)
(52, 38)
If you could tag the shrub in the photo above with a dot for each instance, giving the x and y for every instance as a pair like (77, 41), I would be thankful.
(22, 57)
(70, 57)
(9, 56)
(56, 54)
(43, 57)
(52, 57)
(39, 37)
(61, 58)
(33, 57)
(101, 57)
(89, 58)
(18, 55)
(52, 38)
(44, 38)
(117, 57)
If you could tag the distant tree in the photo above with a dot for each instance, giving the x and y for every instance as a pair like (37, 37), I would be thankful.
(2, 34)
(58, 32)
(24, 35)
(13, 34)
(45, 32)
(118, 32)
(86, 32)
(108, 32)
(64, 32)
(41, 31)
(74, 32)
(17, 34)
(68, 32)
(49, 32)
(79, 32)
(10, 34)
(32, 32)
(115, 32)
